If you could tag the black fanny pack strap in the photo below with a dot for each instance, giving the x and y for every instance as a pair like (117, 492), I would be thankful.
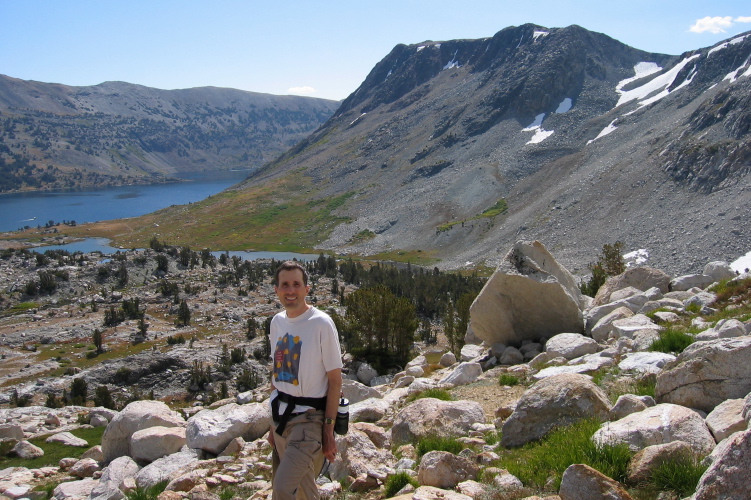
(292, 401)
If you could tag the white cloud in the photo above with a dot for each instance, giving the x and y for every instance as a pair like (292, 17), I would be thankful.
(712, 24)
(717, 24)
(301, 90)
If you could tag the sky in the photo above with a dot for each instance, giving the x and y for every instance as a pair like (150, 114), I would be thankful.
(320, 49)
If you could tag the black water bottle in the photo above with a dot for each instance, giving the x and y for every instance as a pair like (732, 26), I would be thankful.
(341, 424)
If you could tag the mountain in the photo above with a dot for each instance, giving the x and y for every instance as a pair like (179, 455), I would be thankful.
(451, 151)
(54, 136)
(456, 149)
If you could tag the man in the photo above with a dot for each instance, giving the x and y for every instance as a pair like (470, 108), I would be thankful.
(306, 382)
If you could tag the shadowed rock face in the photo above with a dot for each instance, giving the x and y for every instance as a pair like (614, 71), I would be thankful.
(529, 297)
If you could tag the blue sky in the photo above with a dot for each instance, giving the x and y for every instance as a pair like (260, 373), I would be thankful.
(322, 49)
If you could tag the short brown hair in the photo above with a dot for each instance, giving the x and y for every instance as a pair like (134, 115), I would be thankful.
(291, 265)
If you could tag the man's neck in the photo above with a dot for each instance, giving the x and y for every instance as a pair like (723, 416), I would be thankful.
(297, 311)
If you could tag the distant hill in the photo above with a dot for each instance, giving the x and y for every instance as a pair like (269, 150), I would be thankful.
(451, 151)
(57, 136)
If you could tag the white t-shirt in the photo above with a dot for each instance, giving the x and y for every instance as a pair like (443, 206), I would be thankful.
(303, 350)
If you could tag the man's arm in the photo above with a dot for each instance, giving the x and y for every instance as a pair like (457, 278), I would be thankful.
(332, 405)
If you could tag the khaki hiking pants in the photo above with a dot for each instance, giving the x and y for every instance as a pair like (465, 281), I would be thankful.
(298, 457)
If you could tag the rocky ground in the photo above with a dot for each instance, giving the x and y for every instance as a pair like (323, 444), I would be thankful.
(507, 396)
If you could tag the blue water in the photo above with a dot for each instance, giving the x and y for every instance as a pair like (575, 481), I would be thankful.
(103, 245)
(33, 209)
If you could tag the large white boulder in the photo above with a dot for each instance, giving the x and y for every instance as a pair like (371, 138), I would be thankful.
(528, 297)
(430, 416)
(552, 402)
(136, 416)
(212, 430)
(707, 373)
(660, 424)
(642, 278)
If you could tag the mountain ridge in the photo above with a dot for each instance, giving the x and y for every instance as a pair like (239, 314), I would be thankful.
(444, 149)
(123, 133)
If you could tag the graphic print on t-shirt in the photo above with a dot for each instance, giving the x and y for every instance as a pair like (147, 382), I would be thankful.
(287, 359)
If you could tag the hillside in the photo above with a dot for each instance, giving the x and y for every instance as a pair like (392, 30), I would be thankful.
(450, 151)
(54, 136)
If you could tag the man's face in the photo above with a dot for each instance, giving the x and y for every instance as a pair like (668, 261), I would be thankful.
(291, 291)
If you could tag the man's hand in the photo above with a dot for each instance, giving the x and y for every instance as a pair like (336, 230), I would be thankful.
(270, 439)
(329, 443)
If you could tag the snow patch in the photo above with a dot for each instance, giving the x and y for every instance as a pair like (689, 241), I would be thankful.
(453, 63)
(661, 82)
(437, 46)
(742, 263)
(733, 76)
(357, 119)
(564, 106)
(421, 47)
(605, 131)
(636, 258)
(540, 133)
(538, 34)
(726, 44)
(641, 70)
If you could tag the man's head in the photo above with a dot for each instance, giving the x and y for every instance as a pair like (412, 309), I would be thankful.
(291, 265)
(291, 286)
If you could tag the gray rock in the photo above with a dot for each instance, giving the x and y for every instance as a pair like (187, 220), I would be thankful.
(366, 373)
(355, 391)
(212, 430)
(690, 281)
(134, 417)
(582, 482)
(448, 359)
(642, 464)
(529, 296)
(370, 410)
(166, 469)
(358, 454)
(463, 374)
(67, 439)
(707, 373)
(429, 416)
(442, 469)
(626, 405)
(470, 352)
(156, 442)
(645, 362)
(642, 278)
(552, 402)
(571, 345)
(728, 475)
(660, 424)
(27, 451)
(726, 419)
(75, 490)
(511, 356)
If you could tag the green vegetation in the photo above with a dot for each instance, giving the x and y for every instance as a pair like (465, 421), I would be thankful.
(610, 263)
(150, 493)
(535, 463)
(672, 340)
(680, 475)
(500, 208)
(508, 379)
(437, 443)
(395, 483)
(54, 452)
(434, 392)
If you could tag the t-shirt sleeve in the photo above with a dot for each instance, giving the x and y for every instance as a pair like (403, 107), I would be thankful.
(331, 351)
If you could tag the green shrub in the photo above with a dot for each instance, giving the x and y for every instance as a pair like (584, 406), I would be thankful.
(508, 379)
(434, 392)
(438, 443)
(680, 475)
(395, 483)
(672, 341)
